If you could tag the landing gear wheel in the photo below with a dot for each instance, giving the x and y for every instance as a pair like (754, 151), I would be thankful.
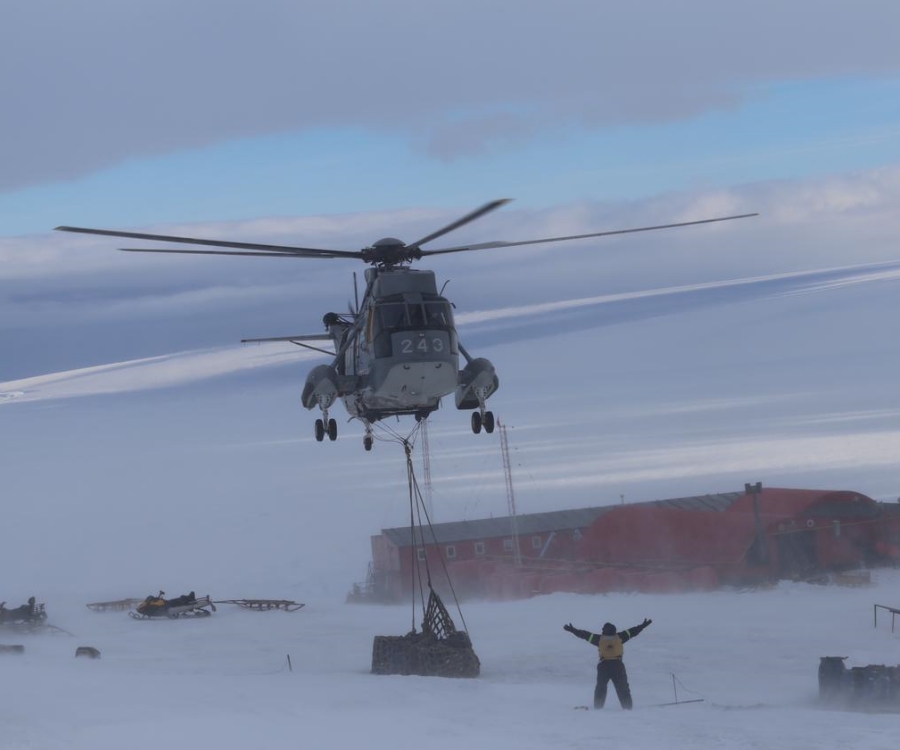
(476, 422)
(332, 430)
(488, 421)
(367, 442)
(320, 430)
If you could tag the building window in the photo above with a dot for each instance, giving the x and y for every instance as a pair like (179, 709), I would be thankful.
(479, 548)
(536, 542)
(507, 545)
(451, 551)
(420, 553)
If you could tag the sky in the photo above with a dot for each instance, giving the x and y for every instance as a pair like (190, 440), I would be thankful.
(631, 368)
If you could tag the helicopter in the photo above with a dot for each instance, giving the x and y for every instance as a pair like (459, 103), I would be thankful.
(397, 352)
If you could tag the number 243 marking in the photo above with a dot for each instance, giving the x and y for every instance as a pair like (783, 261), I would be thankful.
(408, 346)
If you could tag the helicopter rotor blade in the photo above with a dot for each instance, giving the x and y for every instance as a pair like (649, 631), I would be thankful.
(312, 252)
(471, 216)
(487, 245)
(221, 252)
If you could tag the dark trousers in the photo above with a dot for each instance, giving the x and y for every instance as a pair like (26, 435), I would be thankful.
(612, 669)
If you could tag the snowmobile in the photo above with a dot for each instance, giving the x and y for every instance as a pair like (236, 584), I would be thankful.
(30, 617)
(184, 606)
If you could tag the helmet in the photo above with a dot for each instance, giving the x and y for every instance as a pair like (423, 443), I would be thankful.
(609, 629)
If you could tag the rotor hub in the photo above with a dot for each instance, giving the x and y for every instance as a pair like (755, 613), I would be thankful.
(389, 251)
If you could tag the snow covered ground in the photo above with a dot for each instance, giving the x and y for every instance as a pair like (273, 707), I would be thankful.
(223, 682)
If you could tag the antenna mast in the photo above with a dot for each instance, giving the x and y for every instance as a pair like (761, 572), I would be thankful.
(510, 494)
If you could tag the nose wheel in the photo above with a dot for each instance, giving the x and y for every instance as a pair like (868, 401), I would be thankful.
(369, 439)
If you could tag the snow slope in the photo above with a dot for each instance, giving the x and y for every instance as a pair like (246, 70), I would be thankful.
(223, 682)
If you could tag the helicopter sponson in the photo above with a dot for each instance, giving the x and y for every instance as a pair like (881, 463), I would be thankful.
(477, 382)
(321, 387)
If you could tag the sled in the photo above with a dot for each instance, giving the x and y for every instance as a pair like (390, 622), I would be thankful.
(264, 605)
(119, 605)
(32, 628)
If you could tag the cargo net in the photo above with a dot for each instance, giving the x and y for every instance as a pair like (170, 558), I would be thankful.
(439, 650)
(437, 619)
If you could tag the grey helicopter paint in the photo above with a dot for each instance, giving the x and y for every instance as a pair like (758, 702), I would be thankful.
(397, 352)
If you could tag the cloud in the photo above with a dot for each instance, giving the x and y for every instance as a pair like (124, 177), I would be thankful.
(828, 210)
(106, 82)
(88, 304)
(143, 374)
(521, 321)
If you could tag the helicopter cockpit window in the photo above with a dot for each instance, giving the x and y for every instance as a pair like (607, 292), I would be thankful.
(416, 314)
(438, 314)
(392, 315)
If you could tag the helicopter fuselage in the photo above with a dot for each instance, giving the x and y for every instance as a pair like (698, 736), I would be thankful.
(398, 355)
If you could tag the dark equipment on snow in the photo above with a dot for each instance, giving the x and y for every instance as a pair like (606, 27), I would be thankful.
(28, 613)
(873, 688)
(397, 352)
(184, 607)
(29, 618)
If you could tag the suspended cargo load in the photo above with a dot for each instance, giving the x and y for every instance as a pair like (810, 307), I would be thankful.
(440, 650)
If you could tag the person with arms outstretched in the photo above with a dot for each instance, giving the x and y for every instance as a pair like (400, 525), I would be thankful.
(610, 645)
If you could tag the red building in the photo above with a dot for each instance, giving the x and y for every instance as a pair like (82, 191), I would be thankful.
(472, 550)
(663, 545)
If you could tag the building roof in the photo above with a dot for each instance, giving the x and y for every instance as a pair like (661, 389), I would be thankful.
(542, 523)
(493, 528)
